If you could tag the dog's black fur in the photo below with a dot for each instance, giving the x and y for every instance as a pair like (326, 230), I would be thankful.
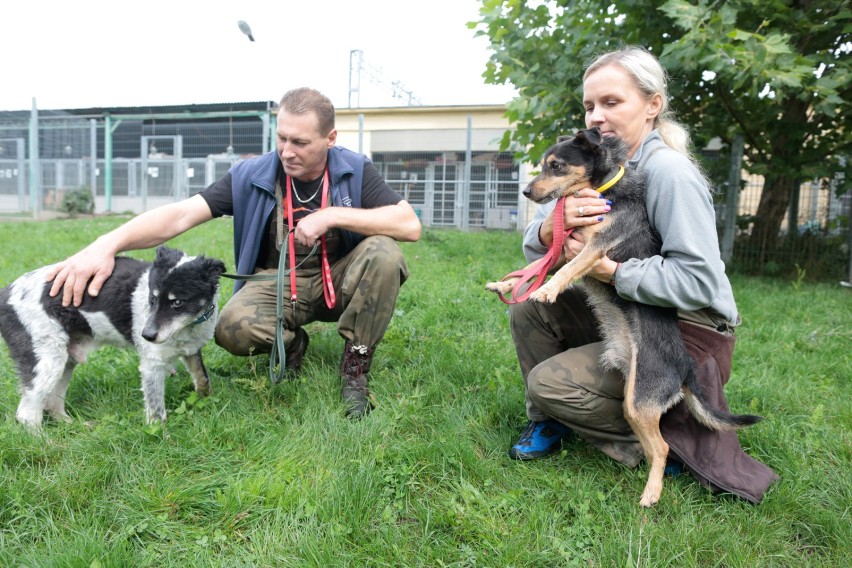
(641, 341)
(166, 311)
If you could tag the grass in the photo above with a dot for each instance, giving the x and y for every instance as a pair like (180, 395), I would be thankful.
(263, 475)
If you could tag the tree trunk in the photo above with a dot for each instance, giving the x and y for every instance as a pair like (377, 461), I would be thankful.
(774, 201)
(781, 178)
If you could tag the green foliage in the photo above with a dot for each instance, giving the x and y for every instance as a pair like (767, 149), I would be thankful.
(78, 201)
(776, 72)
(262, 475)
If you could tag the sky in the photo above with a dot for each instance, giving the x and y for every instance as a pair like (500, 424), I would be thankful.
(91, 53)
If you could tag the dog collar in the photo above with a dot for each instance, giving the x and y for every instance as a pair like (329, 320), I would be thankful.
(206, 315)
(613, 181)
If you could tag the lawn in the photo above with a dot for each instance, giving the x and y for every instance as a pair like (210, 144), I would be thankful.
(275, 475)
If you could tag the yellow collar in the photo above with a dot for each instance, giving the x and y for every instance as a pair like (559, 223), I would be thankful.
(613, 181)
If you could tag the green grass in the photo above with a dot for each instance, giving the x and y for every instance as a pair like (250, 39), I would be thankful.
(262, 475)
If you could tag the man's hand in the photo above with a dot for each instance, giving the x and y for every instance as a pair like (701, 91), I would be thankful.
(311, 227)
(73, 274)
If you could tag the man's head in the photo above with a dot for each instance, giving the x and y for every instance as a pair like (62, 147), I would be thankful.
(305, 132)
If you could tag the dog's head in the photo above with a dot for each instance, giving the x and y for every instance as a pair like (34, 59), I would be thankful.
(575, 162)
(182, 292)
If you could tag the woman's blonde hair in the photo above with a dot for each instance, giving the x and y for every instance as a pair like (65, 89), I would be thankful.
(651, 79)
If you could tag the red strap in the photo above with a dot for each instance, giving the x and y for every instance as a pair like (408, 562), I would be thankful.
(327, 285)
(539, 269)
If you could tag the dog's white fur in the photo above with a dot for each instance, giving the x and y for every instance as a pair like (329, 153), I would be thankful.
(56, 348)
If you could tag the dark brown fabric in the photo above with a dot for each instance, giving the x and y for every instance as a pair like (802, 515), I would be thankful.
(716, 459)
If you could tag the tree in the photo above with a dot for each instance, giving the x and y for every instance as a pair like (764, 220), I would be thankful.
(777, 72)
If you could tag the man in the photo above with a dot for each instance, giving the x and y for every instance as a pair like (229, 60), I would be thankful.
(327, 195)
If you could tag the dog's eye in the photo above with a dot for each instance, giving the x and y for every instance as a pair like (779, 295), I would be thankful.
(556, 166)
(176, 303)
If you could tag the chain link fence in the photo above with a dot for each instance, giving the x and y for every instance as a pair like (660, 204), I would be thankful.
(446, 162)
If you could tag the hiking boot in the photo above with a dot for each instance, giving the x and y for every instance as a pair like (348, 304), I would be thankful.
(539, 439)
(296, 352)
(354, 367)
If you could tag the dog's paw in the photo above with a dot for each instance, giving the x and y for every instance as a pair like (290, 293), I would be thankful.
(651, 494)
(503, 287)
(544, 295)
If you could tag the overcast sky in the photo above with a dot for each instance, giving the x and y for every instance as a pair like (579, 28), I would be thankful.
(89, 53)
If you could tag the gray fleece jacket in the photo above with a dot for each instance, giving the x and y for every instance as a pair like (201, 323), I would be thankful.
(689, 273)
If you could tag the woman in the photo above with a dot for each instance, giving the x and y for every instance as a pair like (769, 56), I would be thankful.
(558, 345)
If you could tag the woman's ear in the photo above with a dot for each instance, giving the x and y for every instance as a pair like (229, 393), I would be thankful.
(655, 105)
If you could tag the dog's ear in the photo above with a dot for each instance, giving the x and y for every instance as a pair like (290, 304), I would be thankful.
(213, 266)
(590, 137)
(167, 257)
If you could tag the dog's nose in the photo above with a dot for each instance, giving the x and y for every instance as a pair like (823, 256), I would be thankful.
(526, 191)
(149, 335)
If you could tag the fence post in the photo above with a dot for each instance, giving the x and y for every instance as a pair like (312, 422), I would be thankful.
(360, 132)
(93, 151)
(108, 162)
(35, 164)
(468, 165)
(732, 199)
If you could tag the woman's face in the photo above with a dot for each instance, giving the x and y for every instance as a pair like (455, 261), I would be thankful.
(615, 104)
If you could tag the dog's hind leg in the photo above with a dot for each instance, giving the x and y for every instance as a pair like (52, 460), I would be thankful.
(55, 400)
(37, 393)
(644, 419)
(200, 379)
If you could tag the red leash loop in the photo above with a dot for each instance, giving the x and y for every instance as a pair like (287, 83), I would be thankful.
(540, 268)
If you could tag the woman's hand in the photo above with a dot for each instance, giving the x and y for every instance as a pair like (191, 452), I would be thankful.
(582, 208)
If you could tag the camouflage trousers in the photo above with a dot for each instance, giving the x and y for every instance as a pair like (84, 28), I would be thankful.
(366, 283)
(558, 347)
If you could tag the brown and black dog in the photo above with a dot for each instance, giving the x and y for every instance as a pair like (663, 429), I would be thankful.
(641, 341)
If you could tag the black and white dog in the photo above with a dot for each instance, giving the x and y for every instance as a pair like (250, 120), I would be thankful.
(166, 311)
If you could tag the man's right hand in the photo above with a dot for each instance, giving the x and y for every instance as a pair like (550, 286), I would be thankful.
(73, 274)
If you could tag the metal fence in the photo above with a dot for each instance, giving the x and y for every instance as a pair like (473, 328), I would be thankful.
(453, 174)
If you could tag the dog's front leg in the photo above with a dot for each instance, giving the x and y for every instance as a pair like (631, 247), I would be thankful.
(200, 379)
(154, 372)
(563, 278)
(505, 287)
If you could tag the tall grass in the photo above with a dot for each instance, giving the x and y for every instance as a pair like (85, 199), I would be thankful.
(262, 475)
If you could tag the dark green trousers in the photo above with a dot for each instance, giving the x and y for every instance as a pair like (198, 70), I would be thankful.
(366, 282)
(558, 348)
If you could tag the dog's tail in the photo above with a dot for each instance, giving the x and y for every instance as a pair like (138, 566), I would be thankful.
(710, 416)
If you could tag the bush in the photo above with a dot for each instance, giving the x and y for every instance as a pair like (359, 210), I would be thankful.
(78, 201)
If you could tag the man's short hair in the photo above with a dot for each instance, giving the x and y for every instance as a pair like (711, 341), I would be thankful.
(304, 100)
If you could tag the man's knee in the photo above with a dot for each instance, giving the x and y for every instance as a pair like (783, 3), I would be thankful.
(239, 331)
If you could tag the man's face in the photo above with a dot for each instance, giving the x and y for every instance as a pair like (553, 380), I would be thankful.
(303, 150)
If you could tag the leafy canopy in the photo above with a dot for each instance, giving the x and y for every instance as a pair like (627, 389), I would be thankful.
(776, 72)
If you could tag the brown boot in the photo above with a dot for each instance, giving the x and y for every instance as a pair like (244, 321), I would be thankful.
(354, 367)
(296, 352)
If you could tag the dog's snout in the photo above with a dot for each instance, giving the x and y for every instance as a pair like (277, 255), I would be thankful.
(527, 191)
(150, 331)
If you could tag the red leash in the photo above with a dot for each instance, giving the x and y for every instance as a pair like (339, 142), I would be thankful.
(328, 287)
(540, 268)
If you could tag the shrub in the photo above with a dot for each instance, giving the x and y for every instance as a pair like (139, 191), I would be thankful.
(78, 201)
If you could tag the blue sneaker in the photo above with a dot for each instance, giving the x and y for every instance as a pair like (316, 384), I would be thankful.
(673, 468)
(539, 439)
